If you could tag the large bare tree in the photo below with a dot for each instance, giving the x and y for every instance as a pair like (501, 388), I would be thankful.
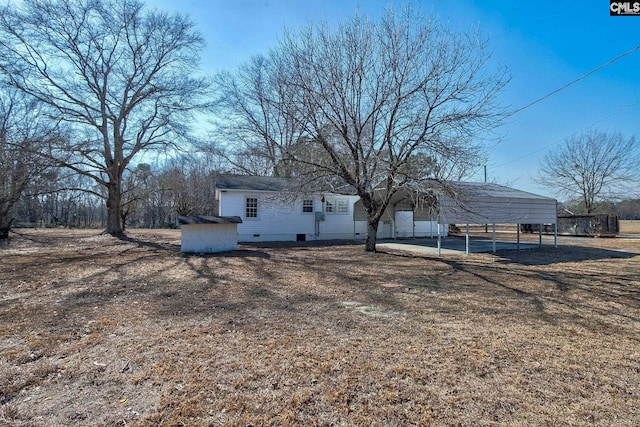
(25, 133)
(380, 105)
(592, 165)
(120, 75)
(259, 126)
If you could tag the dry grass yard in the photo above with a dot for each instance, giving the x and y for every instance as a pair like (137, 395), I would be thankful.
(98, 331)
(630, 226)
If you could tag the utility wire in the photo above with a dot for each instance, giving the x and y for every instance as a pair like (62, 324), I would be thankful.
(524, 156)
(595, 70)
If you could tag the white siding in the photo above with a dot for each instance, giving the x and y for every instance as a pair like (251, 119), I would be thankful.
(280, 217)
(430, 229)
(422, 226)
(404, 224)
(422, 229)
(208, 238)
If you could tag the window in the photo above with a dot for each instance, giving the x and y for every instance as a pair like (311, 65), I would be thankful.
(328, 207)
(307, 206)
(337, 206)
(251, 207)
(342, 207)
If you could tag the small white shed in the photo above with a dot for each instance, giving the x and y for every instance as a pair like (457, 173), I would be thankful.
(208, 233)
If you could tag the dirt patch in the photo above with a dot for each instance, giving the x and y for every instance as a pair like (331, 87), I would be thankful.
(100, 331)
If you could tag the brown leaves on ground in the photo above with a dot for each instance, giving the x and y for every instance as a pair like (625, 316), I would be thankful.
(100, 331)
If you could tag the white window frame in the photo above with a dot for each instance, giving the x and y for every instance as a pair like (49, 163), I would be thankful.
(342, 206)
(330, 206)
(338, 206)
(251, 209)
(307, 206)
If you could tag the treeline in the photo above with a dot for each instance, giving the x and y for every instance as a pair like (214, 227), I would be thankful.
(153, 197)
(156, 195)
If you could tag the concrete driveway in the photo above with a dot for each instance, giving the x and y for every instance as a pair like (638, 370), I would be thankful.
(456, 245)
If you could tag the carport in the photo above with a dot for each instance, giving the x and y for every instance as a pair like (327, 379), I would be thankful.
(468, 203)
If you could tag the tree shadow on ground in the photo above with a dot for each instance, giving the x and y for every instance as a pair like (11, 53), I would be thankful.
(604, 292)
(526, 254)
(305, 244)
(561, 254)
(238, 253)
(149, 243)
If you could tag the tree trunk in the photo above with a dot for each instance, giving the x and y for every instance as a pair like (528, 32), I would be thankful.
(5, 225)
(372, 231)
(123, 219)
(114, 208)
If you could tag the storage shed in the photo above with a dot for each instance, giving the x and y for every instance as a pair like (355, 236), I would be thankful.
(208, 233)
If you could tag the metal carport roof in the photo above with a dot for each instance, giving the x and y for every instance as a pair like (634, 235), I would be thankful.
(488, 203)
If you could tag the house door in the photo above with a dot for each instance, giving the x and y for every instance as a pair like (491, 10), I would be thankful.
(404, 224)
(387, 230)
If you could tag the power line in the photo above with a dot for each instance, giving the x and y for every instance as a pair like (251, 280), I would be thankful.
(614, 113)
(595, 70)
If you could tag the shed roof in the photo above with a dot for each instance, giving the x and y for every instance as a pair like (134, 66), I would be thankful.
(209, 219)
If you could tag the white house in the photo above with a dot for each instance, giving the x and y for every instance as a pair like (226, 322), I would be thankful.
(273, 209)
(407, 216)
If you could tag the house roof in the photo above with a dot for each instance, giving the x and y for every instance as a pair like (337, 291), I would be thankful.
(209, 219)
(276, 184)
(254, 183)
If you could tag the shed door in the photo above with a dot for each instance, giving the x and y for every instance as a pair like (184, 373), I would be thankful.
(404, 224)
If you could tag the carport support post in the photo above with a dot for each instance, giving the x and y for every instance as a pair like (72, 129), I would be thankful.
(439, 238)
(518, 236)
(466, 241)
(540, 236)
(494, 237)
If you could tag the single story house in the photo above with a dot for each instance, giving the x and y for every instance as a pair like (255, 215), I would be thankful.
(273, 209)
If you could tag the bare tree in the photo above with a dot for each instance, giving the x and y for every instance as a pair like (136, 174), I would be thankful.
(258, 127)
(25, 132)
(122, 76)
(592, 165)
(386, 105)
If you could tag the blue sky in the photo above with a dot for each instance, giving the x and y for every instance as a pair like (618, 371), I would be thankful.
(545, 45)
